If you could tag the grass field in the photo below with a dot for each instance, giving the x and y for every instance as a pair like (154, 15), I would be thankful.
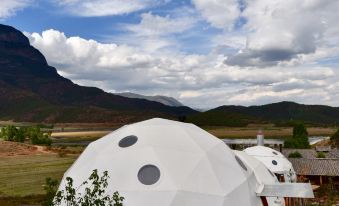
(220, 132)
(80, 136)
(269, 132)
(25, 175)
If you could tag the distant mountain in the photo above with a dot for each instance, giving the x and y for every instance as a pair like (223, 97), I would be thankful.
(169, 101)
(281, 113)
(31, 90)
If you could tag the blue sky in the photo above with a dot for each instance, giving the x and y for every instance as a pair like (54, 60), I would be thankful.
(44, 15)
(204, 53)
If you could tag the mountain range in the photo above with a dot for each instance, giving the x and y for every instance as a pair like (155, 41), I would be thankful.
(281, 113)
(31, 90)
(169, 101)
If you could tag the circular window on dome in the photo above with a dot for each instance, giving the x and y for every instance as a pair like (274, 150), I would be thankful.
(128, 141)
(275, 153)
(274, 162)
(241, 163)
(149, 174)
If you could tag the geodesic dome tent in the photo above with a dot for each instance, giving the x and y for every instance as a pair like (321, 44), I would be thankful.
(274, 161)
(162, 162)
(262, 174)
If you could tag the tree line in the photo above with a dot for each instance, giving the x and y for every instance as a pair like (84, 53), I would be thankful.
(20, 134)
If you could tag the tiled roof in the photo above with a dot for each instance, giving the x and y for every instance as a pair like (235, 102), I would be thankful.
(323, 167)
(311, 153)
(310, 165)
(334, 153)
(323, 148)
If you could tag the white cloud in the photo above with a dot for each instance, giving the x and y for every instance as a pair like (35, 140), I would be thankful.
(154, 25)
(278, 32)
(197, 80)
(220, 13)
(89, 8)
(10, 7)
(284, 30)
(277, 55)
(154, 32)
(63, 51)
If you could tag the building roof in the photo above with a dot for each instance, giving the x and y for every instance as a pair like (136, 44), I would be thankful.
(334, 153)
(318, 167)
(312, 153)
(309, 164)
(252, 141)
(323, 148)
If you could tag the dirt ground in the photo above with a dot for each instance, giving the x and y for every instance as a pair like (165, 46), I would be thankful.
(17, 149)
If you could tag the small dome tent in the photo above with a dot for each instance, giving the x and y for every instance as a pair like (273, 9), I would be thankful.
(274, 161)
(262, 174)
(162, 162)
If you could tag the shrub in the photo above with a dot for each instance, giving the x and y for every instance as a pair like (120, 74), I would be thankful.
(321, 155)
(51, 187)
(295, 154)
(11, 133)
(93, 194)
(39, 137)
(301, 143)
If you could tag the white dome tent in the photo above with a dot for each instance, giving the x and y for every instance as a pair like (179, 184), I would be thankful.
(262, 174)
(162, 162)
(274, 161)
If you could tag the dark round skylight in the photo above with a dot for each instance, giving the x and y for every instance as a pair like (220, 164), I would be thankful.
(274, 162)
(149, 174)
(128, 141)
(241, 163)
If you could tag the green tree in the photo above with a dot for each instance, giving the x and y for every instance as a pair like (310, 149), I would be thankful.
(299, 139)
(20, 135)
(94, 193)
(335, 138)
(11, 133)
(4, 133)
(38, 137)
(299, 130)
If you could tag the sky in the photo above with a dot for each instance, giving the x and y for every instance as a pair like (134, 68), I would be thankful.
(205, 53)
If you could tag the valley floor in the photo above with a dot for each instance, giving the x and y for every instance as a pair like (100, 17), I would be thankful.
(24, 168)
(269, 132)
